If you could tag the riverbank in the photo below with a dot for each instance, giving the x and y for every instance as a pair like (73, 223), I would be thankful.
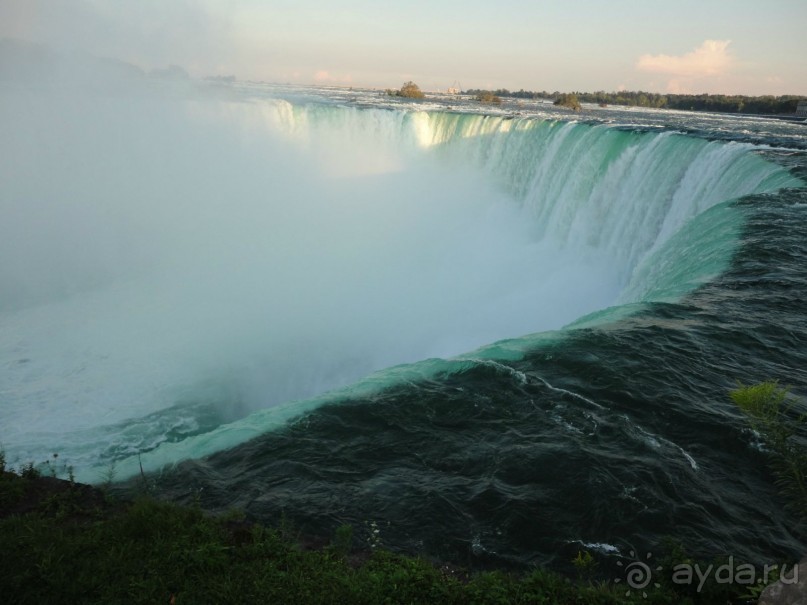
(65, 542)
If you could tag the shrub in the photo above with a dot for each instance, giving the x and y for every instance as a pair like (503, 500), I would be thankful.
(568, 100)
(769, 413)
(487, 97)
(410, 90)
(29, 471)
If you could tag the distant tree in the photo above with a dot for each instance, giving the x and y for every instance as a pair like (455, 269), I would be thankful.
(410, 90)
(767, 104)
(568, 100)
(488, 97)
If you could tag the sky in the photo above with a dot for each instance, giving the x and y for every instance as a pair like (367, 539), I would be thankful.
(683, 46)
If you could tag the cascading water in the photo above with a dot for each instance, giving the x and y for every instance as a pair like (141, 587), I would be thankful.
(175, 270)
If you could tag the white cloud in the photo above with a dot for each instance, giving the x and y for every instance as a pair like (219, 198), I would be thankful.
(701, 68)
(712, 58)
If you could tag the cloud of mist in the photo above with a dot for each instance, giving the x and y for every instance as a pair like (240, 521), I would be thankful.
(149, 33)
(167, 246)
(163, 248)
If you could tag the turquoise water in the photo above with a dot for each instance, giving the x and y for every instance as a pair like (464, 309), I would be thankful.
(498, 336)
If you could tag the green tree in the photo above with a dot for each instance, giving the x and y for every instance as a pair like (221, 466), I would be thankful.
(568, 100)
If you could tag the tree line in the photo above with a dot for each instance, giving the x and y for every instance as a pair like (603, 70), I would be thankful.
(767, 104)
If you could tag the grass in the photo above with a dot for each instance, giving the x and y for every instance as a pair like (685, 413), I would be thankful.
(773, 414)
(68, 543)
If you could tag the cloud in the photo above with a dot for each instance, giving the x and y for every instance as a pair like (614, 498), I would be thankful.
(712, 58)
(706, 67)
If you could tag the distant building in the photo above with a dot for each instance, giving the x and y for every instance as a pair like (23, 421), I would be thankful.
(455, 88)
(801, 108)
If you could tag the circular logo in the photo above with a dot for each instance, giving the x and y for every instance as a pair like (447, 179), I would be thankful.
(638, 574)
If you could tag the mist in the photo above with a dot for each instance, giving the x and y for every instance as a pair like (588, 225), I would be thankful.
(166, 248)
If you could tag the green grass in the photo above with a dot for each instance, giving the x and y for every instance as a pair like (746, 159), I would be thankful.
(76, 546)
(774, 415)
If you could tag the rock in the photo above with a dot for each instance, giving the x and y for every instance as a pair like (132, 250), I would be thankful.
(790, 591)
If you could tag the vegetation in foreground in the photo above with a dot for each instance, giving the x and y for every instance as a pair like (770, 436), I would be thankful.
(65, 542)
(776, 418)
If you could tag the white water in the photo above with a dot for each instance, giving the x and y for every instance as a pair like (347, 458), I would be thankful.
(156, 254)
